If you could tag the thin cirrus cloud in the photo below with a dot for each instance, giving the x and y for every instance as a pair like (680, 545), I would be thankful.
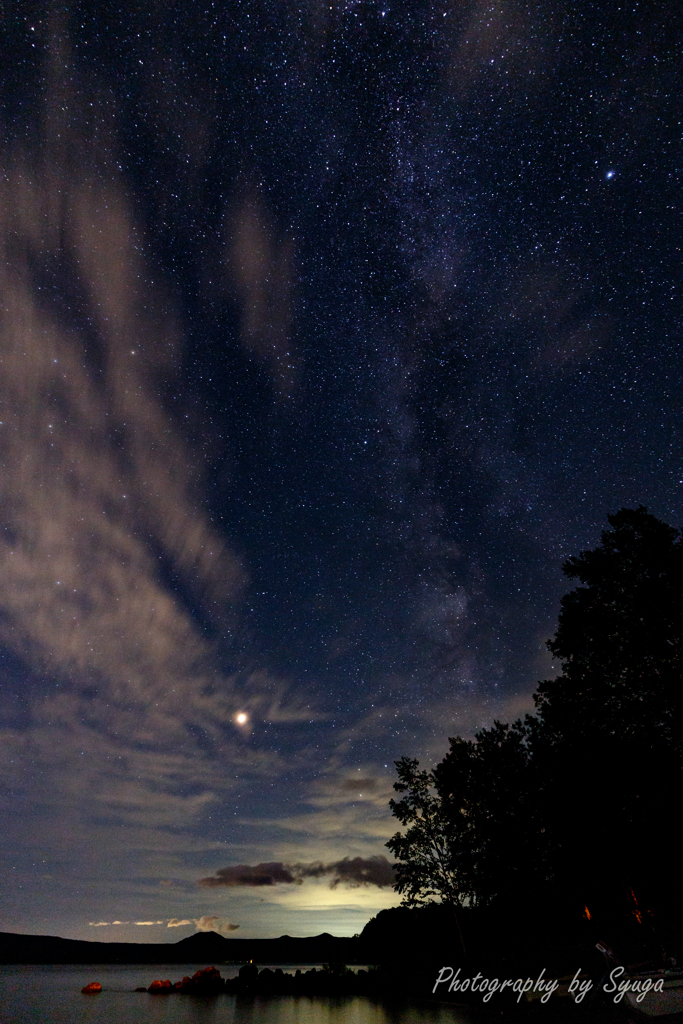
(353, 872)
(101, 498)
(260, 271)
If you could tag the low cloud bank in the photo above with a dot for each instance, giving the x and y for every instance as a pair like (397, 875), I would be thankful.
(352, 872)
(207, 923)
(252, 875)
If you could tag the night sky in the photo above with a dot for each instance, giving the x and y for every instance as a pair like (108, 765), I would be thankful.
(328, 331)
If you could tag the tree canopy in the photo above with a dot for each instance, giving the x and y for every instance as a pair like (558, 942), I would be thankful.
(619, 637)
(429, 852)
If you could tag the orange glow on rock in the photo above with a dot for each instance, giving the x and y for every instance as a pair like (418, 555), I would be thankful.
(161, 986)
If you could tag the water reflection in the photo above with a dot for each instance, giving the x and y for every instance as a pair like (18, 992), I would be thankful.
(34, 995)
(328, 1010)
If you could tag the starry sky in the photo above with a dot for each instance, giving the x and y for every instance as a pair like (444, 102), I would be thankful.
(328, 330)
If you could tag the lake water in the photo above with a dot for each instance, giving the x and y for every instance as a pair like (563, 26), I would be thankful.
(52, 995)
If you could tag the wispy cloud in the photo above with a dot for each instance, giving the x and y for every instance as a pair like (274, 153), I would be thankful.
(260, 268)
(113, 574)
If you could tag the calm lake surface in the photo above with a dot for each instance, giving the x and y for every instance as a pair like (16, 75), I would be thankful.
(52, 995)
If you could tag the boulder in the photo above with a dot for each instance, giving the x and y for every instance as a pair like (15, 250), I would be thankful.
(205, 982)
(184, 985)
(248, 973)
(160, 987)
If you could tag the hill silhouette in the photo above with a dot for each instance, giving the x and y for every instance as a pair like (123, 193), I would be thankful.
(202, 946)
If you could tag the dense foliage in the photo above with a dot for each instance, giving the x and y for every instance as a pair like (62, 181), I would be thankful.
(577, 804)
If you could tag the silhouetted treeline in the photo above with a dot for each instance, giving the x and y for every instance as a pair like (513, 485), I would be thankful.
(569, 819)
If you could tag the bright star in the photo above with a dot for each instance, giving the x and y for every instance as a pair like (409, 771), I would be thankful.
(610, 174)
(241, 718)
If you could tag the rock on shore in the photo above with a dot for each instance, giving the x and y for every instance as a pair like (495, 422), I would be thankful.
(332, 979)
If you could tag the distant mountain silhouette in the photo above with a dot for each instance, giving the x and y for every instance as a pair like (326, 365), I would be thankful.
(392, 935)
(202, 946)
(203, 940)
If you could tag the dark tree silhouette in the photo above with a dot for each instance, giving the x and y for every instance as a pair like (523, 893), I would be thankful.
(620, 638)
(490, 784)
(582, 798)
(429, 853)
(610, 733)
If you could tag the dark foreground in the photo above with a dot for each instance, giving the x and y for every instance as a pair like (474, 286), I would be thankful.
(590, 1003)
(417, 956)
